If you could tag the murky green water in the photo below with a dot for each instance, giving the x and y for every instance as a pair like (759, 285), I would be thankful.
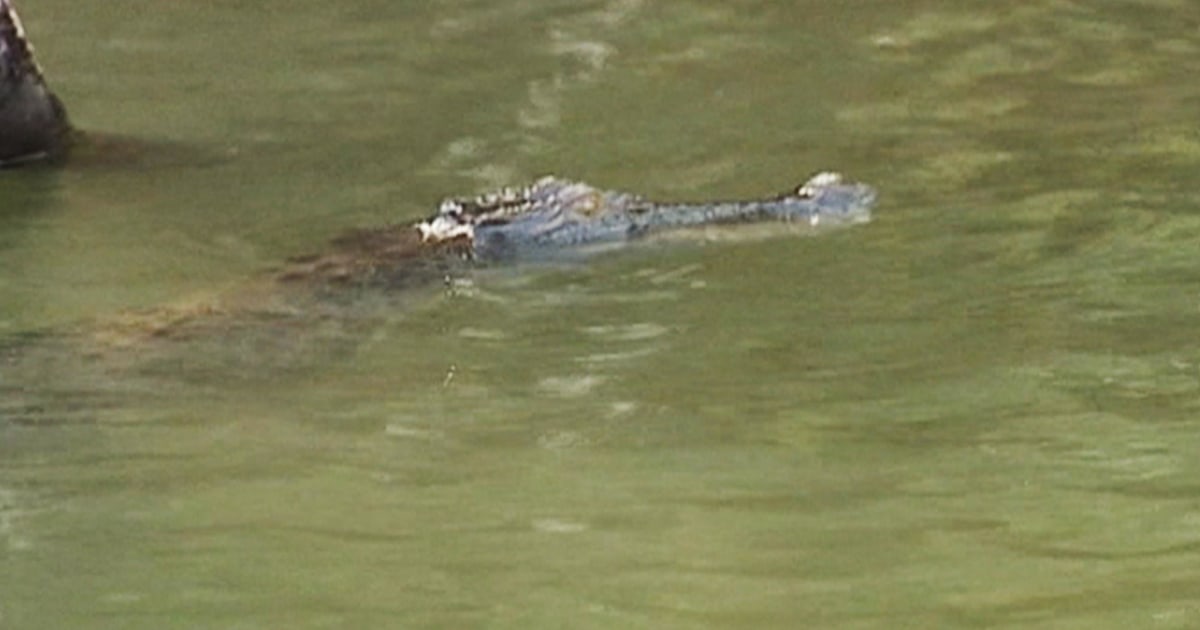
(980, 410)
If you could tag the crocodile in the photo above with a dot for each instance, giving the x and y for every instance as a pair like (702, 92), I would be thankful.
(33, 122)
(556, 219)
(552, 220)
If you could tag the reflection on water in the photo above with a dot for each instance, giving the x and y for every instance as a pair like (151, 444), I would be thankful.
(978, 410)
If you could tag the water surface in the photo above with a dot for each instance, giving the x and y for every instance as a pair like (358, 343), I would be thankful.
(979, 410)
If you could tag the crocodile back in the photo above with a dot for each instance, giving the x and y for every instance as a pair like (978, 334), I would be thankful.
(33, 122)
(16, 56)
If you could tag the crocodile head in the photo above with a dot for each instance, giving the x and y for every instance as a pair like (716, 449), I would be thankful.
(554, 215)
(826, 199)
(549, 214)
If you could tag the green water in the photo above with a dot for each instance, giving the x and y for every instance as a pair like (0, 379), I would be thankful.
(980, 410)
